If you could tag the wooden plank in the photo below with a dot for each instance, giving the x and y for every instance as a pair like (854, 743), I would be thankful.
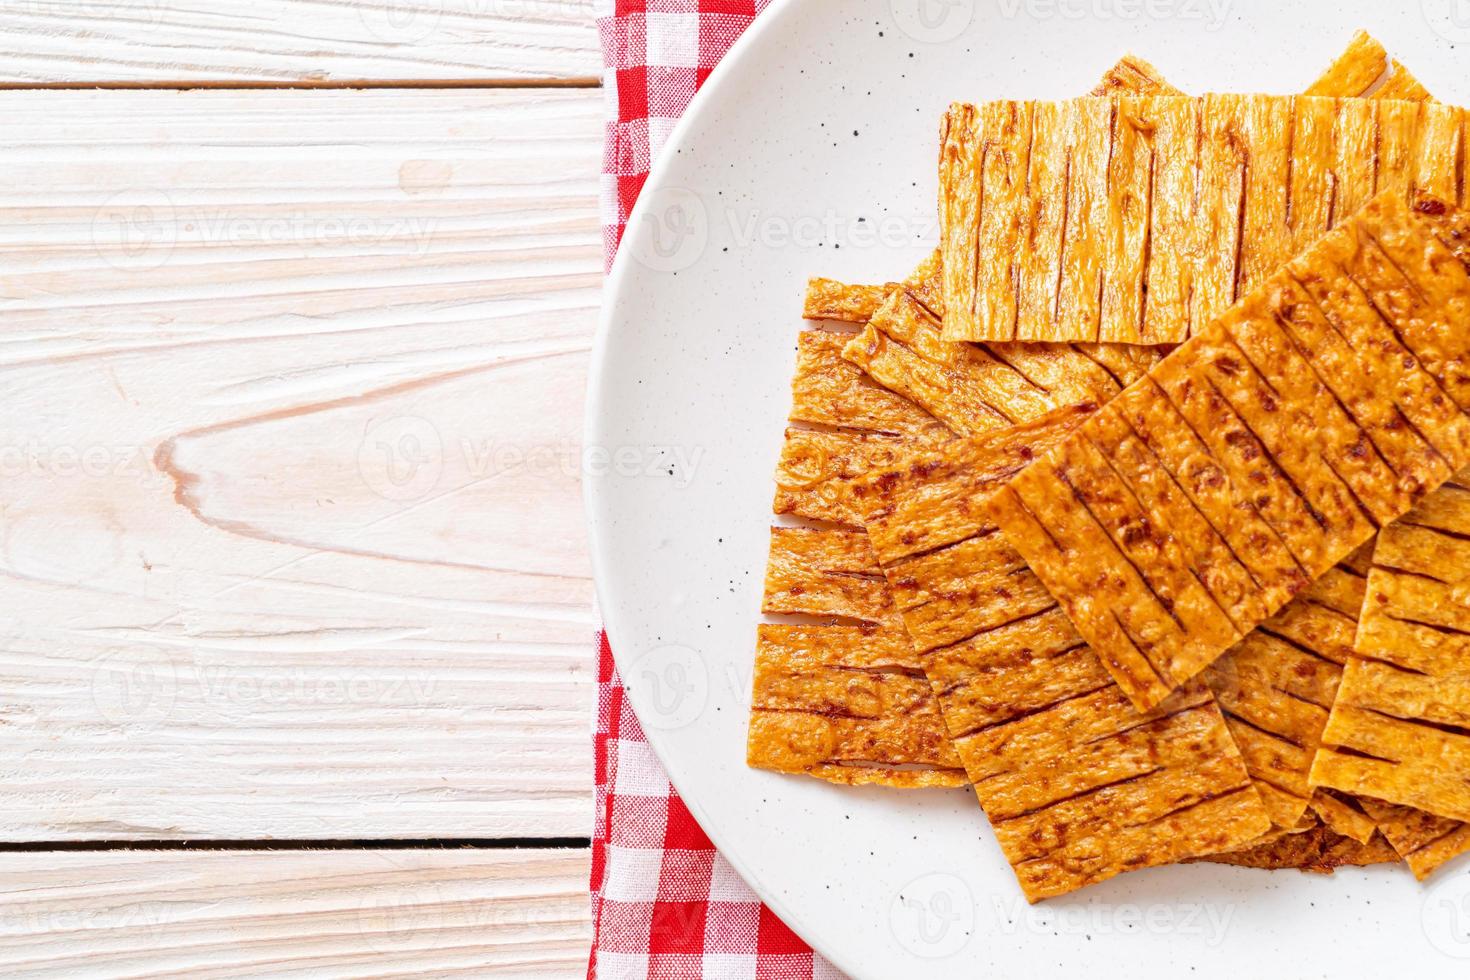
(273, 42)
(292, 536)
(300, 913)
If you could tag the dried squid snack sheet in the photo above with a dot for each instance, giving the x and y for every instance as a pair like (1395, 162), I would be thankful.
(837, 693)
(1134, 76)
(812, 714)
(1360, 342)
(1345, 815)
(840, 695)
(826, 391)
(1319, 850)
(845, 423)
(1400, 727)
(975, 388)
(1142, 219)
(1276, 688)
(830, 299)
(1077, 783)
(1424, 841)
(1365, 70)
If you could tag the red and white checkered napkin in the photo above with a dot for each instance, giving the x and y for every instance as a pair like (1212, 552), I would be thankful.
(656, 53)
(665, 904)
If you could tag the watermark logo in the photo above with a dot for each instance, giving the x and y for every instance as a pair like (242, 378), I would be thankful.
(932, 21)
(676, 683)
(136, 229)
(1446, 916)
(673, 231)
(933, 916)
(134, 689)
(401, 458)
(391, 921)
(401, 21)
(1450, 19)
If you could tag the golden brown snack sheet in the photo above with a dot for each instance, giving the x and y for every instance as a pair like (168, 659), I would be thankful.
(829, 299)
(1134, 76)
(1218, 423)
(839, 694)
(1424, 841)
(813, 715)
(969, 386)
(1354, 74)
(1400, 727)
(1344, 814)
(1317, 850)
(827, 391)
(973, 388)
(844, 424)
(1078, 784)
(836, 691)
(1115, 220)
(1365, 70)
(1275, 689)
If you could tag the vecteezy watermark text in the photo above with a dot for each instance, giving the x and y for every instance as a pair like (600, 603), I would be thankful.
(142, 228)
(1211, 13)
(1207, 921)
(405, 457)
(67, 460)
(934, 916)
(676, 227)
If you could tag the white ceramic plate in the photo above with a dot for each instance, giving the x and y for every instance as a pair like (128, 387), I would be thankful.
(811, 152)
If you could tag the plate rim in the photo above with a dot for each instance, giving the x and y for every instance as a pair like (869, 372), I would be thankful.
(613, 284)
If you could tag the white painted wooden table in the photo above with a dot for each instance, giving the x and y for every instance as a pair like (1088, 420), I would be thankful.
(295, 656)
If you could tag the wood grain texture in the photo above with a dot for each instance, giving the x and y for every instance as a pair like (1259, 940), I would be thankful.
(273, 42)
(292, 532)
(294, 913)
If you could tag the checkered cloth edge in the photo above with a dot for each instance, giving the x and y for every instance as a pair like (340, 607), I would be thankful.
(657, 53)
(665, 904)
